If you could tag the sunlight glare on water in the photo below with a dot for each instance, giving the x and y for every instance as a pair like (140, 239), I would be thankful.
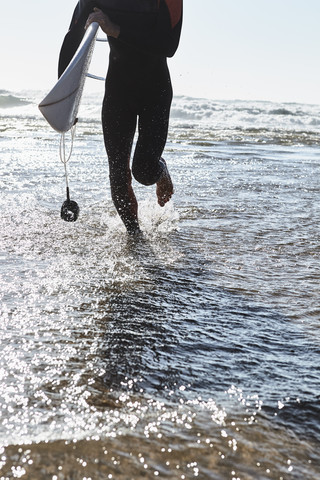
(189, 352)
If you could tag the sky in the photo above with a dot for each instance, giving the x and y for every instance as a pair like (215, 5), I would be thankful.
(229, 49)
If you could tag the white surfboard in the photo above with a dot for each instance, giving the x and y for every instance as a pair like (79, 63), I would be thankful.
(60, 106)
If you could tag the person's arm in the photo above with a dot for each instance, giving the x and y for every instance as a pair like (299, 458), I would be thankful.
(84, 14)
(75, 34)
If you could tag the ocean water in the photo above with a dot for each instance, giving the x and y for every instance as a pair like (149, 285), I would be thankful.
(192, 352)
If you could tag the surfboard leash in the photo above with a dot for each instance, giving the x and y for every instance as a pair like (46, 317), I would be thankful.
(70, 209)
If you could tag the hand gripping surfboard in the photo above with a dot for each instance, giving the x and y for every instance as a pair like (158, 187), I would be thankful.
(60, 106)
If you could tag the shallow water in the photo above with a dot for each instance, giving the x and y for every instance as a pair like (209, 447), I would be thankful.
(191, 352)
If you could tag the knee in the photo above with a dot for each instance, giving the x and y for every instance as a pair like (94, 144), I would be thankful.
(145, 173)
(143, 177)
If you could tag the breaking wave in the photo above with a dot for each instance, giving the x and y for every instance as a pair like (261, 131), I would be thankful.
(8, 100)
(198, 119)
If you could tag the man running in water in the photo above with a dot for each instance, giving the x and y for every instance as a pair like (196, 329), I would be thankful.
(141, 34)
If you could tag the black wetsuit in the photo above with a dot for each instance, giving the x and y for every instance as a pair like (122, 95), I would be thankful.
(138, 84)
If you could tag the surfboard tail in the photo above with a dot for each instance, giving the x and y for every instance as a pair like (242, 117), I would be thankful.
(60, 107)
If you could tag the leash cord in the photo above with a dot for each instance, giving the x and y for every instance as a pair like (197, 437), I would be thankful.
(65, 158)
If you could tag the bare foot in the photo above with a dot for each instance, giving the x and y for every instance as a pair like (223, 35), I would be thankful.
(164, 186)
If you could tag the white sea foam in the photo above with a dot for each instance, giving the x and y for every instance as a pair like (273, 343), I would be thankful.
(189, 112)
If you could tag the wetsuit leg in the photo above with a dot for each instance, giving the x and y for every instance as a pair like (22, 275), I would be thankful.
(153, 127)
(119, 125)
(132, 93)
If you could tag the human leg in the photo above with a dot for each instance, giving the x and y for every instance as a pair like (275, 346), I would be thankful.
(119, 124)
(148, 167)
(153, 130)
